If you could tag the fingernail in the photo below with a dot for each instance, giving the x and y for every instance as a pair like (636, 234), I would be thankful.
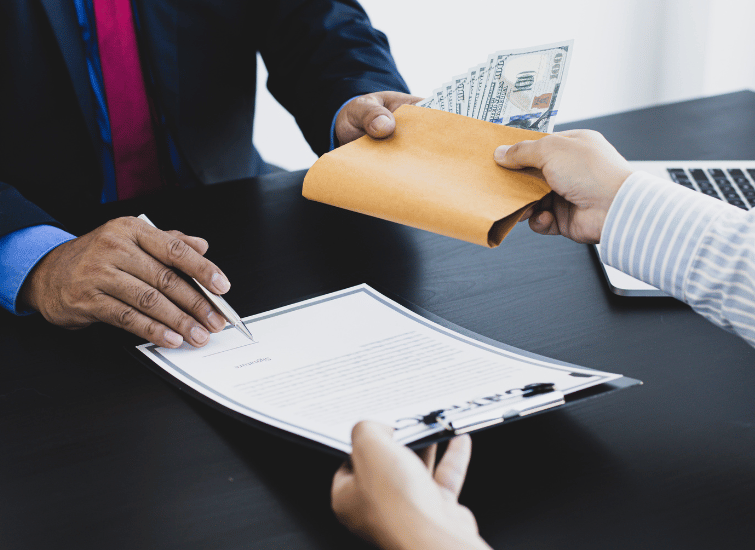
(199, 335)
(173, 338)
(381, 124)
(216, 321)
(500, 152)
(220, 282)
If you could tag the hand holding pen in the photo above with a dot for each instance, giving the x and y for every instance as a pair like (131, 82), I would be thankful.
(219, 302)
(125, 273)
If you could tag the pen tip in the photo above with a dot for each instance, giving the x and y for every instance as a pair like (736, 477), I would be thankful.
(245, 331)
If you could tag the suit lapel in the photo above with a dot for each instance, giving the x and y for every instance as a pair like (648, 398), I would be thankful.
(62, 16)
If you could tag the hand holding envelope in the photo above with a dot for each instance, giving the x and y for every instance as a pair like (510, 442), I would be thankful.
(435, 172)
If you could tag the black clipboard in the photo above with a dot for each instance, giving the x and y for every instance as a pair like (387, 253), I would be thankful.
(529, 401)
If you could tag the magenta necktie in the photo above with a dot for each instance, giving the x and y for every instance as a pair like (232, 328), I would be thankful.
(137, 171)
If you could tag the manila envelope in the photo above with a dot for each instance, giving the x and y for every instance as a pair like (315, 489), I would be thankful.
(436, 172)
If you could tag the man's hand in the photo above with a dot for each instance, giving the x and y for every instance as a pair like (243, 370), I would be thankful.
(389, 497)
(370, 114)
(585, 173)
(121, 274)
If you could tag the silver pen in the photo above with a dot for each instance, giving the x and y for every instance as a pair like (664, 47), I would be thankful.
(218, 301)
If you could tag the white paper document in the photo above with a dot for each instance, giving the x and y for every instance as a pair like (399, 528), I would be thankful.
(318, 367)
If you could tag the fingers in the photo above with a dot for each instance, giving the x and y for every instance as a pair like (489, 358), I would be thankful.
(377, 458)
(371, 114)
(197, 243)
(343, 487)
(524, 154)
(374, 453)
(535, 153)
(161, 293)
(178, 291)
(121, 274)
(174, 252)
(544, 223)
(452, 468)
(542, 219)
(528, 213)
(151, 302)
(184, 295)
(546, 203)
(427, 455)
(369, 440)
(391, 493)
(121, 315)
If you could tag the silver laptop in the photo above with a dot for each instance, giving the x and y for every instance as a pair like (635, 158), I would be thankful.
(732, 181)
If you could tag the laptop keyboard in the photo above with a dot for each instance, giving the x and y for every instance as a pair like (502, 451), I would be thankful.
(734, 186)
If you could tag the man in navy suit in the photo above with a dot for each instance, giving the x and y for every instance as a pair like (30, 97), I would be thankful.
(63, 115)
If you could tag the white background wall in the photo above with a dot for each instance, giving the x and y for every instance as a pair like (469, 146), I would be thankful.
(627, 54)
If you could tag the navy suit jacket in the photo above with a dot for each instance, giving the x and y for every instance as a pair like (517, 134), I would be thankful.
(202, 56)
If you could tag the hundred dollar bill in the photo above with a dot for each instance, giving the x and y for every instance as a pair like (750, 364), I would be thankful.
(460, 92)
(523, 86)
(520, 88)
(439, 97)
(482, 73)
(472, 79)
(488, 87)
(448, 91)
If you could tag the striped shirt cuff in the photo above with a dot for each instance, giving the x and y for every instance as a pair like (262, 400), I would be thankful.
(654, 229)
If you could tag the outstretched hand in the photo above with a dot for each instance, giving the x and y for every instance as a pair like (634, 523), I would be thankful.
(585, 173)
(387, 495)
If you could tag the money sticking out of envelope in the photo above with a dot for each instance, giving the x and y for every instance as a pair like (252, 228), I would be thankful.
(520, 88)
(435, 172)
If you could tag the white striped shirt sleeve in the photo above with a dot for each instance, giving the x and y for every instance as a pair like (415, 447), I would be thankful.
(693, 247)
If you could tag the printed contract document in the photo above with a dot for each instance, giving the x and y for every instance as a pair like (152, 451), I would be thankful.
(318, 367)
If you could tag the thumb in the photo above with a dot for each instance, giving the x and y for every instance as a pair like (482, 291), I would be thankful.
(524, 154)
(372, 443)
(370, 114)
(376, 120)
(364, 115)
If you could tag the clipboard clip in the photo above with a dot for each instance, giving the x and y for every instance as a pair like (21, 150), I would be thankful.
(530, 399)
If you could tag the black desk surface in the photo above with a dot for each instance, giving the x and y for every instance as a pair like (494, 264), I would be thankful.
(96, 451)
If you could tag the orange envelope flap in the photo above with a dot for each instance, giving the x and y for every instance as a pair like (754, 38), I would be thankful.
(435, 172)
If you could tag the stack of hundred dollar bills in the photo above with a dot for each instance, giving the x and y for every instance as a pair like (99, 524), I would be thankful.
(519, 88)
